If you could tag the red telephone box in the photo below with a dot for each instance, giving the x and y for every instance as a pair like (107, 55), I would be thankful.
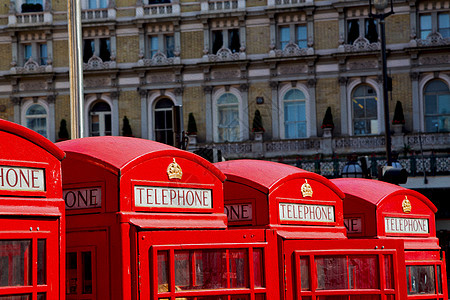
(315, 259)
(146, 221)
(32, 228)
(380, 210)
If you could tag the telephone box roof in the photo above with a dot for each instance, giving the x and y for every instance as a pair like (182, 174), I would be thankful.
(122, 153)
(375, 192)
(266, 176)
(31, 136)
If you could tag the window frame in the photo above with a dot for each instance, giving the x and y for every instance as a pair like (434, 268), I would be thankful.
(36, 52)
(293, 31)
(102, 118)
(217, 95)
(362, 32)
(283, 91)
(380, 117)
(27, 104)
(313, 290)
(226, 36)
(161, 45)
(434, 16)
(97, 48)
(437, 115)
(173, 292)
(155, 110)
(435, 264)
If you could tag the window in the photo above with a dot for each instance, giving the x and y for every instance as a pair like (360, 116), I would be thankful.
(36, 119)
(364, 111)
(337, 274)
(228, 118)
(29, 6)
(422, 279)
(294, 104)
(95, 4)
(366, 28)
(36, 51)
(437, 107)
(162, 43)
(293, 34)
(203, 270)
(163, 121)
(79, 273)
(100, 119)
(99, 47)
(227, 38)
(434, 22)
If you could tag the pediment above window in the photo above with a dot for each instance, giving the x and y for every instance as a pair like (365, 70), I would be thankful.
(31, 66)
(159, 59)
(290, 50)
(433, 39)
(359, 45)
(96, 63)
(225, 54)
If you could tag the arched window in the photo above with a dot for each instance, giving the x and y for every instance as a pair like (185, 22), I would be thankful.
(437, 107)
(364, 111)
(228, 118)
(100, 119)
(163, 121)
(294, 104)
(36, 119)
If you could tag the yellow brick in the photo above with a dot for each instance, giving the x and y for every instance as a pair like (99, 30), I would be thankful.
(62, 111)
(127, 49)
(125, 13)
(260, 90)
(398, 29)
(190, 7)
(194, 102)
(326, 35)
(255, 3)
(8, 114)
(5, 56)
(327, 95)
(130, 106)
(192, 42)
(401, 91)
(258, 40)
(60, 54)
(59, 5)
(125, 3)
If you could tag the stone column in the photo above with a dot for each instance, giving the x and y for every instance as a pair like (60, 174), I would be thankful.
(312, 108)
(275, 111)
(344, 105)
(16, 103)
(115, 114)
(245, 131)
(144, 114)
(51, 118)
(416, 115)
(209, 113)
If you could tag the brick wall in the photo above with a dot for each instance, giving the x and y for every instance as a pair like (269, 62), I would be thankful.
(60, 54)
(398, 29)
(8, 114)
(401, 91)
(194, 102)
(328, 94)
(192, 42)
(5, 56)
(326, 35)
(130, 106)
(258, 40)
(127, 49)
(59, 5)
(260, 90)
(255, 3)
(62, 111)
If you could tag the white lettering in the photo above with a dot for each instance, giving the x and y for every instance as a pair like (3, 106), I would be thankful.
(406, 225)
(83, 198)
(21, 179)
(239, 212)
(151, 196)
(306, 212)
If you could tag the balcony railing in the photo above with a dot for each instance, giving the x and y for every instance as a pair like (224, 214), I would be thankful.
(282, 3)
(158, 10)
(32, 18)
(98, 14)
(222, 5)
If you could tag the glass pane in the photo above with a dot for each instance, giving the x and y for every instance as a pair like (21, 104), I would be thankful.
(389, 271)
(43, 53)
(227, 98)
(294, 94)
(86, 261)
(302, 37)
(421, 280)
(36, 109)
(108, 124)
(182, 270)
(95, 125)
(444, 104)
(100, 106)
(103, 3)
(304, 273)
(365, 297)
(163, 271)
(371, 33)
(431, 104)
(41, 296)
(431, 124)
(284, 36)
(425, 26)
(371, 108)
(352, 31)
(363, 272)
(105, 50)
(228, 125)
(436, 86)
(217, 40)
(92, 4)
(332, 298)
(390, 297)
(260, 297)
(15, 262)
(38, 124)
(27, 52)
(238, 264)
(258, 267)
(170, 46)
(211, 269)
(444, 25)
(71, 273)
(153, 45)
(41, 262)
(331, 272)
(164, 103)
(234, 43)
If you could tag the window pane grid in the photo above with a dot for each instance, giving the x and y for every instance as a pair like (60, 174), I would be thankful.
(425, 26)
(444, 24)
(302, 36)
(437, 107)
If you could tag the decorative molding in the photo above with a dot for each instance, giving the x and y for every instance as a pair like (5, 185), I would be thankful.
(243, 87)
(343, 80)
(433, 39)
(362, 65)
(162, 78)
(92, 82)
(273, 85)
(96, 63)
(292, 69)
(224, 54)
(15, 100)
(159, 59)
(434, 60)
(31, 66)
(207, 89)
(33, 86)
(414, 76)
(290, 50)
(225, 74)
(362, 44)
(311, 82)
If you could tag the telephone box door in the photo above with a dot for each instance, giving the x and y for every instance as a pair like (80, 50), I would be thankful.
(87, 273)
(29, 259)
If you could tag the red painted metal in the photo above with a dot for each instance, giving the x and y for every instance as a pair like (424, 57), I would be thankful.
(381, 210)
(32, 234)
(296, 206)
(129, 198)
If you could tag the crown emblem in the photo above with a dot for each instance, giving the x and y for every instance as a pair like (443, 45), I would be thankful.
(306, 189)
(174, 170)
(406, 205)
